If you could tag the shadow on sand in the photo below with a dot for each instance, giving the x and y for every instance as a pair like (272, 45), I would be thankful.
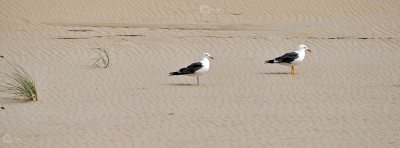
(10, 100)
(275, 73)
(182, 84)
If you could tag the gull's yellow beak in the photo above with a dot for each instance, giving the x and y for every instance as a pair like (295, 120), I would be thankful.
(308, 49)
(211, 57)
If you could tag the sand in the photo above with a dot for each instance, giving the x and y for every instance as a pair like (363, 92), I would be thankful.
(347, 92)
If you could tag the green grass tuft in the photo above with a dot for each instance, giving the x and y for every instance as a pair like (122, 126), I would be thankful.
(20, 83)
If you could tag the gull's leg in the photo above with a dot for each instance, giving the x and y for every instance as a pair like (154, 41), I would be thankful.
(292, 72)
(198, 82)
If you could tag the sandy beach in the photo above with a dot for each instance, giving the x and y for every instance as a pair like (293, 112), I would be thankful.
(346, 93)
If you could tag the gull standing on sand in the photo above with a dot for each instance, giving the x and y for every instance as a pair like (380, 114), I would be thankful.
(291, 58)
(195, 69)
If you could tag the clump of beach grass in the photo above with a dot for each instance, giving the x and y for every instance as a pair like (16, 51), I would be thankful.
(20, 83)
(102, 60)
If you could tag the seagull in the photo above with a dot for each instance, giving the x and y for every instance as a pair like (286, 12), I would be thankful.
(195, 69)
(291, 58)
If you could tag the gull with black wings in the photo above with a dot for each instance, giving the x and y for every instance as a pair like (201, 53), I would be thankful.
(195, 69)
(292, 58)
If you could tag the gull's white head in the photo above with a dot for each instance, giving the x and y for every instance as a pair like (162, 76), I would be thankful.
(207, 55)
(304, 47)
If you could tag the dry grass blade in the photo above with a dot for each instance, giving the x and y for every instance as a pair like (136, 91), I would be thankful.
(103, 59)
(20, 83)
